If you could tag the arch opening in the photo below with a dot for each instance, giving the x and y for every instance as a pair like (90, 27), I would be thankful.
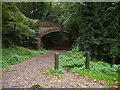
(56, 40)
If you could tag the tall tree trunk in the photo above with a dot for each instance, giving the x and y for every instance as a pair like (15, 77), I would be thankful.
(49, 9)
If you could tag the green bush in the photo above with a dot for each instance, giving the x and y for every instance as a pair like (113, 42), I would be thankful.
(55, 72)
(100, 70)
(72, 59)
(75, 60)
(102, 67)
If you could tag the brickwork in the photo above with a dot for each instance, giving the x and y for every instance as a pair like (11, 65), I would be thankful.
(47, 27)
(46, 30)
(50, 24)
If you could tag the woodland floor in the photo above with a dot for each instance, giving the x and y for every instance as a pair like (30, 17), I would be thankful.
(31, 72)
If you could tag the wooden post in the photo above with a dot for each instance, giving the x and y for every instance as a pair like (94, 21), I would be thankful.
(87, 63)
(113, 61)
(56, 61)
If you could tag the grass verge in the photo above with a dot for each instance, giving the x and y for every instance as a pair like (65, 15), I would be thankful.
(75, 61)
(102, 77)
(55, 72)
(17, 54)
(99, 70)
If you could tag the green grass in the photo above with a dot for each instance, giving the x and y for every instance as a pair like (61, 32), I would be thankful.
(55, 72)
(17, 54)
(75, 61)
(110, 79)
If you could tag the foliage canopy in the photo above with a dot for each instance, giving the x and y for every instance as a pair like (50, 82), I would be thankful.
(93, 26)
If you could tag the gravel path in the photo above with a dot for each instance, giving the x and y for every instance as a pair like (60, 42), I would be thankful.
(31, 72)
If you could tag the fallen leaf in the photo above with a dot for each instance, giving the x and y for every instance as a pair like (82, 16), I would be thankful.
(78, 81)
(19, 78)
(102, 82)
(46, 86)
(59, 81)
(84, 86)
(94, 80)
(76, 73)
(115, 86)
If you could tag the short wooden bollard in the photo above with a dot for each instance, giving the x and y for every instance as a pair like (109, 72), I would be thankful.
(56, 61)
(113, 61)
(87, 63)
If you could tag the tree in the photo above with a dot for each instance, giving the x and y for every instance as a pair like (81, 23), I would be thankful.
(94, 26)
(17, 28)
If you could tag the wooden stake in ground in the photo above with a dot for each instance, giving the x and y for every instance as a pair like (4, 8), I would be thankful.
(87, 63)
(113, 61)
(56, 61)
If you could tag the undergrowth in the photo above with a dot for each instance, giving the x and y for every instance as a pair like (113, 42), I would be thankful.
(55, 72)
(17, 54)
(99, 70)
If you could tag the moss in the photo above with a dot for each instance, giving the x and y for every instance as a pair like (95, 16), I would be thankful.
(16, 24)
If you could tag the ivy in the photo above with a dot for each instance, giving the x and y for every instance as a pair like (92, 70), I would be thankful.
(16, 26)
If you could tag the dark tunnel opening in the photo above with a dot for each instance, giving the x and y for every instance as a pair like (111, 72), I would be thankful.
(56, 40)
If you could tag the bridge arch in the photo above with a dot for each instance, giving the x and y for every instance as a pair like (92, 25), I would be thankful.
(47, 27)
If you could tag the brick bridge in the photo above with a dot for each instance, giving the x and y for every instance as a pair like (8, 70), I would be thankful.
(47, 27)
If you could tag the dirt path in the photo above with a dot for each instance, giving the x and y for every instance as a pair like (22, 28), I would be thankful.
(31, 72)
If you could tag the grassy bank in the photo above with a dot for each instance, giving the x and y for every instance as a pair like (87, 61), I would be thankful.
(102, 77)
(99, 70)
(15, 55)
